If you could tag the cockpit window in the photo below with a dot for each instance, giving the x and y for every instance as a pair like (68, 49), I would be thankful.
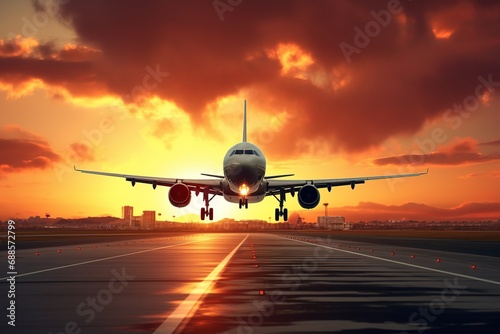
(252, 152)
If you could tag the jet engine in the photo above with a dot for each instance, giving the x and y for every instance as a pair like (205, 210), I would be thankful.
(179, 195)
(308, 196)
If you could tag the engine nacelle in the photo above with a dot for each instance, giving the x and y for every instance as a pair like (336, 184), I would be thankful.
(308, 196)
(179, 195)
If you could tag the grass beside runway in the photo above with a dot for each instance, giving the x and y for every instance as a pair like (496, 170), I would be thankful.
(39, 238)
(491, 236)
(469, 242)
(36, 238)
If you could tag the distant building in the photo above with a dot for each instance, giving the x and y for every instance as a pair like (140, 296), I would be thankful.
(332, 223)
(136, 221)
(128, 214)
(148, 219)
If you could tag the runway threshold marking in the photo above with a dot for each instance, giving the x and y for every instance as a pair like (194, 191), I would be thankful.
(189, 305)
(103, 259)
(402, 263)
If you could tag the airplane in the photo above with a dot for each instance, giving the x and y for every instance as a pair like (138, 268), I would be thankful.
(245, 181)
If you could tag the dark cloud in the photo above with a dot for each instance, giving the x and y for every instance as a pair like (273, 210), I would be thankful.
(21, 151)
(491, 143)
(416, 211)
(460, 152)
(9, 48)
(403, 75)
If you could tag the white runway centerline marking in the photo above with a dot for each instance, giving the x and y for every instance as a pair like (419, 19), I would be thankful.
(401, 263)
(103, 259)
(188, 305)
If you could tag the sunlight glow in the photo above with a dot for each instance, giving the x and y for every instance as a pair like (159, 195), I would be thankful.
(21, 89)
(293, 59)
(25, 46)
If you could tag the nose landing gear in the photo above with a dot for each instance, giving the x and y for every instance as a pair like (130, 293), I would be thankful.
(244, 203)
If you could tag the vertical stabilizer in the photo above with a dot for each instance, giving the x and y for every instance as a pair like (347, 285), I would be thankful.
(245, 121)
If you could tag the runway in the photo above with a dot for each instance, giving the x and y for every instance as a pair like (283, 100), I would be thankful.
(253, 283)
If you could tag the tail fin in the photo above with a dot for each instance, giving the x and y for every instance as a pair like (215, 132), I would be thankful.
(245, 121)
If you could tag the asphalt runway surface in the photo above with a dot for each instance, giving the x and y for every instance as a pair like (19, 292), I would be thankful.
(253, 283)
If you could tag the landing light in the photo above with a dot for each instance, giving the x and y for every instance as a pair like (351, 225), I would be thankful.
(243, 190)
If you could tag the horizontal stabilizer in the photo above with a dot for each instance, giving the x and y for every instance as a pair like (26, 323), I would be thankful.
(278, 176)
(212, 175)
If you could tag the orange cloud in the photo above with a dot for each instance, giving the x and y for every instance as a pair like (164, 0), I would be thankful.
(491, 143)
(491, 174)
(82, 152)
(21, 150)
(30, 47)
(445, 21)
(293, 59)
(460, 152)
(393, 86)
(20, 47)
(77, 53)
(369, 211)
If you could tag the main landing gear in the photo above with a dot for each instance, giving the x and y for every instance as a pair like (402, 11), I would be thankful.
(278, 213)
(281, 212)
(207, 211)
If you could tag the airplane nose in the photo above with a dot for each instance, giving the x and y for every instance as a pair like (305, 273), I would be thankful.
(244, 174)
(240, 174)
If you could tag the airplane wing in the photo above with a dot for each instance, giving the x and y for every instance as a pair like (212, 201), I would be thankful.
(214, 185)
(289, 186)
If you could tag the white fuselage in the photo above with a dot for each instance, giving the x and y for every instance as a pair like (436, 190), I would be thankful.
(244, 170)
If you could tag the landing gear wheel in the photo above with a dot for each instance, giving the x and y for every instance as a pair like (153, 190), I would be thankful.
(244, 203)
(207, 211)
(278, 212)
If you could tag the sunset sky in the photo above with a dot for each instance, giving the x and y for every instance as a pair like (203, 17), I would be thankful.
(333, 89)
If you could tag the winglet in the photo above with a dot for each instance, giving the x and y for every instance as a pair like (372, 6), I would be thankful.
(245, 121)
